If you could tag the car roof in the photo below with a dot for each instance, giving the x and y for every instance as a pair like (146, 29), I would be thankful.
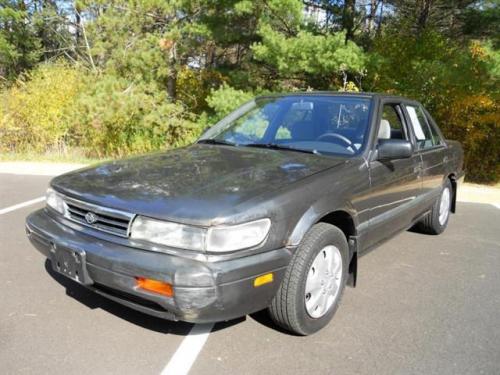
(338, 93)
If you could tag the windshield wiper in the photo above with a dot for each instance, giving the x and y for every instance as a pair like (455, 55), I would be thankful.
(211, 141)
(275, 146)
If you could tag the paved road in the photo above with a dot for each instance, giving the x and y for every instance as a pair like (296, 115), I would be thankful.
(424, 305)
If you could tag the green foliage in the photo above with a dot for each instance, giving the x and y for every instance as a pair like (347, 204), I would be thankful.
(308, 53)
(115, 117)
(416, 16)
(491, 57)
(128, 49)
(19, 44)
(482, 20)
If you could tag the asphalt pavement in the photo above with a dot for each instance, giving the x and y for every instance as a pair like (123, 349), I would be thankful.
(423, 305)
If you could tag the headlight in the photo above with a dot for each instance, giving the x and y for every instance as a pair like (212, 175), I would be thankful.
(55, 201)
(235, 237)
(167, 233)
(215, 239)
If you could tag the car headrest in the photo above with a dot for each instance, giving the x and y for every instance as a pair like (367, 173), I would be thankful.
(384, 132)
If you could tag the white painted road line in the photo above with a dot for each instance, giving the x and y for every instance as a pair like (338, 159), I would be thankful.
(186, 354)
(20, 205)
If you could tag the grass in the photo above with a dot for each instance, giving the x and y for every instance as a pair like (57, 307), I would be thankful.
(71, 157)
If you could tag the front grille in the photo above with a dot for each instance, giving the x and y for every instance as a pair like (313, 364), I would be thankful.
(101, 218)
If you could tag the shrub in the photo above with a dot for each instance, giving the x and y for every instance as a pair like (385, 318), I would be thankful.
(194, 86)
(56, 106)
(475, 122)
(35, 109)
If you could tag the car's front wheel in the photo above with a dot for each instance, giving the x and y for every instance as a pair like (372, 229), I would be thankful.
(314, 281)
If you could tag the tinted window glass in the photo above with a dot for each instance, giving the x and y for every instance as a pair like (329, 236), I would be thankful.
(420, 127)
(324, 124)
(296, 115)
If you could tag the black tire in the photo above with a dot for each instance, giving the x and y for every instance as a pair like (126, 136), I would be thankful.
(288, 308)
(430, 223)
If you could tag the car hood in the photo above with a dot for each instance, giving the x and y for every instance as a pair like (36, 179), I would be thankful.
(196, 184)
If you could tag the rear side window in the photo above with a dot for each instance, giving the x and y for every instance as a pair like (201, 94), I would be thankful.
(436, 138)
(426, 137)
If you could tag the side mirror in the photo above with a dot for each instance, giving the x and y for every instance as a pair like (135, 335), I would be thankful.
(389, 149)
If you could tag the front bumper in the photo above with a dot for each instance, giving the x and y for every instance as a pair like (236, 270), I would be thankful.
(203, 291)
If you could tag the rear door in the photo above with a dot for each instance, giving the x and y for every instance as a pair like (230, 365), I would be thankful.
(395, 184)
(430, 146)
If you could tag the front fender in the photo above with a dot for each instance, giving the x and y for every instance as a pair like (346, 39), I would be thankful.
(314, 214)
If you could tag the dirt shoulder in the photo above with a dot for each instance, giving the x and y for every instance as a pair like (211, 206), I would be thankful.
(479, 193)
(37, 168)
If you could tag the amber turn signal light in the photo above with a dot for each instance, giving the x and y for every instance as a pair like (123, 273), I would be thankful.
(263, 279)
(155, 286)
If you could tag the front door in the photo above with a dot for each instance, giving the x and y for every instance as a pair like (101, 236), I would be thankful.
(395, 184)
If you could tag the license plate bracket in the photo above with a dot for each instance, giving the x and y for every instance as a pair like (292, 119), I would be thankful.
(70, 263)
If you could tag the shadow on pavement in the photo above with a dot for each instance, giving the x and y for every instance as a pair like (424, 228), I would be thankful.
(262, 317)
(93, 301)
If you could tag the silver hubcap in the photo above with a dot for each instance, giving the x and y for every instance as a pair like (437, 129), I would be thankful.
(444, 206)
(323, 281)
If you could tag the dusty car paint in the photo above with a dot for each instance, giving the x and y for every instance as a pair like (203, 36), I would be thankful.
(208, 185)
(199, 184)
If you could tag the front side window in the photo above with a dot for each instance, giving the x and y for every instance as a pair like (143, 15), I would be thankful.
(391, 123)
(316, 123)
(421, 129)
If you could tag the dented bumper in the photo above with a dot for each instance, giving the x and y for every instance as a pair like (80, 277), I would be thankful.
(203, 291)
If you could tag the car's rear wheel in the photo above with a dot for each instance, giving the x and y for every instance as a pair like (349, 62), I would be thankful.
(314, 281)
(436, 221)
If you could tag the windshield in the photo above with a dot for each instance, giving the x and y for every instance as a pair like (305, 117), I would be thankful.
(319, 124)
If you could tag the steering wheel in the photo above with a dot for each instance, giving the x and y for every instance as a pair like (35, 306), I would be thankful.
(336, 138)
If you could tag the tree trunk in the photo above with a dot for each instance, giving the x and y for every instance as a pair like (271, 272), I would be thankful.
(172, 84)
(381, 17)
(372, 15)
(78, 21)
(423, 16)
(348, 19)
(172, 75)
